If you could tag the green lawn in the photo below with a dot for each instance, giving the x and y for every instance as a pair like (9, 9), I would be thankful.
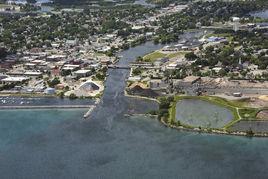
(154, 56)
(248, 113)
(177, 54)
(151, 57)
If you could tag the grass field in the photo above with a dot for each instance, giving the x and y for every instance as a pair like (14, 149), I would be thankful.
(151, 57)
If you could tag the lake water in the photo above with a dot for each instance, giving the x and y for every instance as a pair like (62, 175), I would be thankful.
(37, 101)
(143, 3)
(201, 113)
(16, 124)
(261, 14)
(111, 145)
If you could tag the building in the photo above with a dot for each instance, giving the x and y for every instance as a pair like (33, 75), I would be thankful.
(236, 23)
(14, 80)
(54, 58)
(82, 73)
(50, 91)
(70, 67)
(158, 85)
(187, 81)
(33, 73)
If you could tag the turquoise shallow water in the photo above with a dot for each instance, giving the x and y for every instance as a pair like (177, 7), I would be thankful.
(16, 124)
(135, 147)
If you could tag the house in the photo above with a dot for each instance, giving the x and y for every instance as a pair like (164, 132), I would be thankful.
(32, 73)
(158, 84)
(83, 73)
(71, 43)
(134, 78)
(105, 61)
(14, 80)
(70, 67)
(55, 58)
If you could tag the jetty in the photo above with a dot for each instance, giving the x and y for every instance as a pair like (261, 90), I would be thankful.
(89, 112)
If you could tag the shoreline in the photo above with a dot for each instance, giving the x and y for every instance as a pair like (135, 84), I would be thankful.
(212, 131)
(40, 95)
(195, 129)
(139, 97)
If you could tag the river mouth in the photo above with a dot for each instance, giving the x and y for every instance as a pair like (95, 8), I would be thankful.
(200, 113)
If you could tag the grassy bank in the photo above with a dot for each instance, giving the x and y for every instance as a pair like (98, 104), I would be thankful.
(151, 57)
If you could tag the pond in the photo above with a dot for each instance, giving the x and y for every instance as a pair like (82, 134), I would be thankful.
(195, 112)
(257, 126)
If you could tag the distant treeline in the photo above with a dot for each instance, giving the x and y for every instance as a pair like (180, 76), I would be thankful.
(91, 2)
(164, 3)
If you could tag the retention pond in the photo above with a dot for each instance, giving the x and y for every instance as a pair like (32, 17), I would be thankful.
(200, 113)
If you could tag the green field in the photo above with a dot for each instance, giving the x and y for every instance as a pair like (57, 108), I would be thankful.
(151, 57)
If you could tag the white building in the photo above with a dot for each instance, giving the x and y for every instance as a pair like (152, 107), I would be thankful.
(236, 23)
(82, 73)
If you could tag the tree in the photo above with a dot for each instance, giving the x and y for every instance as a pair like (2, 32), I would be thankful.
(250, 133)
(72, 96)
(190, 56)
(139, 59)
(222, 72)
(66, 72)
(136, 71)
(53, 82)
(61, 94)
(3, 53)
(31, 1)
